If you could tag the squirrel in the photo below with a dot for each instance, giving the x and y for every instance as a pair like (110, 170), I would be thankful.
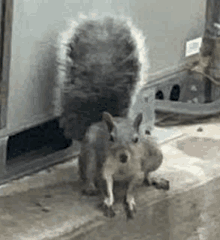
(115, 150)
(102, 61)
(102, 66)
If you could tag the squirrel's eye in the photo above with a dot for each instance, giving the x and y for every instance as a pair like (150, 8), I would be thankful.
(147, 132)
(111, 138)
(135, 140)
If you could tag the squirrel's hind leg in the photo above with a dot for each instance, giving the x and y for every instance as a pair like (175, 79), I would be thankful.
(89, 172)
(157, 182)
(152, 161)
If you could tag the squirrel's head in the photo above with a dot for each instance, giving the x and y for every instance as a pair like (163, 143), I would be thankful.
(122, 129)
(122, 133)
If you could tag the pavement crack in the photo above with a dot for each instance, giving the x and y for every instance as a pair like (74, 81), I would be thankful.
(45, 210)
(38, 204)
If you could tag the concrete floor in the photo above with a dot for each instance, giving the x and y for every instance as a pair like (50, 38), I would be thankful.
(193, 215)
(189, 210)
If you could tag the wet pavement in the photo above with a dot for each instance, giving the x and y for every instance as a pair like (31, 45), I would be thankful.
(192, 215)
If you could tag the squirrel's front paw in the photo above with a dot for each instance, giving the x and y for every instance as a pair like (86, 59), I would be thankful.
(130, 208)
(90, 190)
(108, 210)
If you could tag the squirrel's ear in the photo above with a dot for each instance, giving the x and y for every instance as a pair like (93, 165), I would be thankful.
(137, 121)
(108, 119)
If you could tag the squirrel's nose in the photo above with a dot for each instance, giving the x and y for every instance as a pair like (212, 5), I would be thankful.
(123, 158)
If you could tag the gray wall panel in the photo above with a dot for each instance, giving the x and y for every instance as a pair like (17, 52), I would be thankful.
(36, 24)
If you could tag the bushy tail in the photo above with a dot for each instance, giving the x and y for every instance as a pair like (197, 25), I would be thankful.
(103, 65)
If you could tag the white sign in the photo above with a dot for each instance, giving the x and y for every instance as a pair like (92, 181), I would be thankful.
(193, 46)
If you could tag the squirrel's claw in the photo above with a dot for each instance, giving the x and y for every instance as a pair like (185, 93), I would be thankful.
(130, 210)
(158, 183)
(129, 213)
(108, 210)
(90, 190)
(161, 184)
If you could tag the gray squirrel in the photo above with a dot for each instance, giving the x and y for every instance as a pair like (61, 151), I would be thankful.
(103, 65)
(115, 150)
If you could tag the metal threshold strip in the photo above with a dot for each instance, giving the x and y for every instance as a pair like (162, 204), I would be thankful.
(39, 162)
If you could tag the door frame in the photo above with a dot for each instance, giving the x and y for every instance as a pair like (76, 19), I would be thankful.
(6, 16)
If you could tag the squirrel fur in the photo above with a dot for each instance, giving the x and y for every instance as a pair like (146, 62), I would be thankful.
(102, 65)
